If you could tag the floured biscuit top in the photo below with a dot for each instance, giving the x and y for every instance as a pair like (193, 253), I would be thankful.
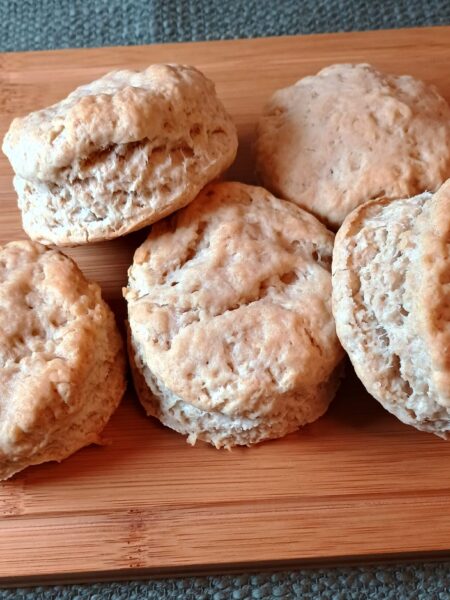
(350, 134)
(229, 301)
(119, 108)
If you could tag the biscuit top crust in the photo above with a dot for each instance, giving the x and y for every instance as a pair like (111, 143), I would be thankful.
(52, 323)
(391, 298)
(229, 301)
(121, 107)
(350, 134)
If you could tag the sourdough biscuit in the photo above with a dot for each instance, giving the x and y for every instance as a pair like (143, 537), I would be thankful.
(229, 304)
(118, 154)
(391, 297)
(62, 364)
(350, 134)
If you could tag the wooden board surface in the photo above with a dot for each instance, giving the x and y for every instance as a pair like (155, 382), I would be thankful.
(355, 485)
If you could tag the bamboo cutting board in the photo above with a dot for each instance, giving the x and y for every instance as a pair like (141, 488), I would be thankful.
(356, 485)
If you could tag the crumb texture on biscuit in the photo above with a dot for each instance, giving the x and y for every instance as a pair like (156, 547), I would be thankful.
(61, 358)
(390, 300)
(229, 304)
(118, 154)
(224, 431)
(350, 134)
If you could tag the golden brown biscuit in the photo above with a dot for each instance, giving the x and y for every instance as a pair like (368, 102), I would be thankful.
(118, 154)
(229, 305)
(61, 358)
(349, 134)
(391, 298)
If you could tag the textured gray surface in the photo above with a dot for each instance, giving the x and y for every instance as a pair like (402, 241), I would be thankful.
(36, 24)
(419, 582)
(41, 24)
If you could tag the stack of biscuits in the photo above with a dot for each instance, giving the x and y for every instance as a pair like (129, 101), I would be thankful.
(241, 301)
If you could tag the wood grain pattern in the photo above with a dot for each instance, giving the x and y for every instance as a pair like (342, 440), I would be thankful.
(357, 484)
